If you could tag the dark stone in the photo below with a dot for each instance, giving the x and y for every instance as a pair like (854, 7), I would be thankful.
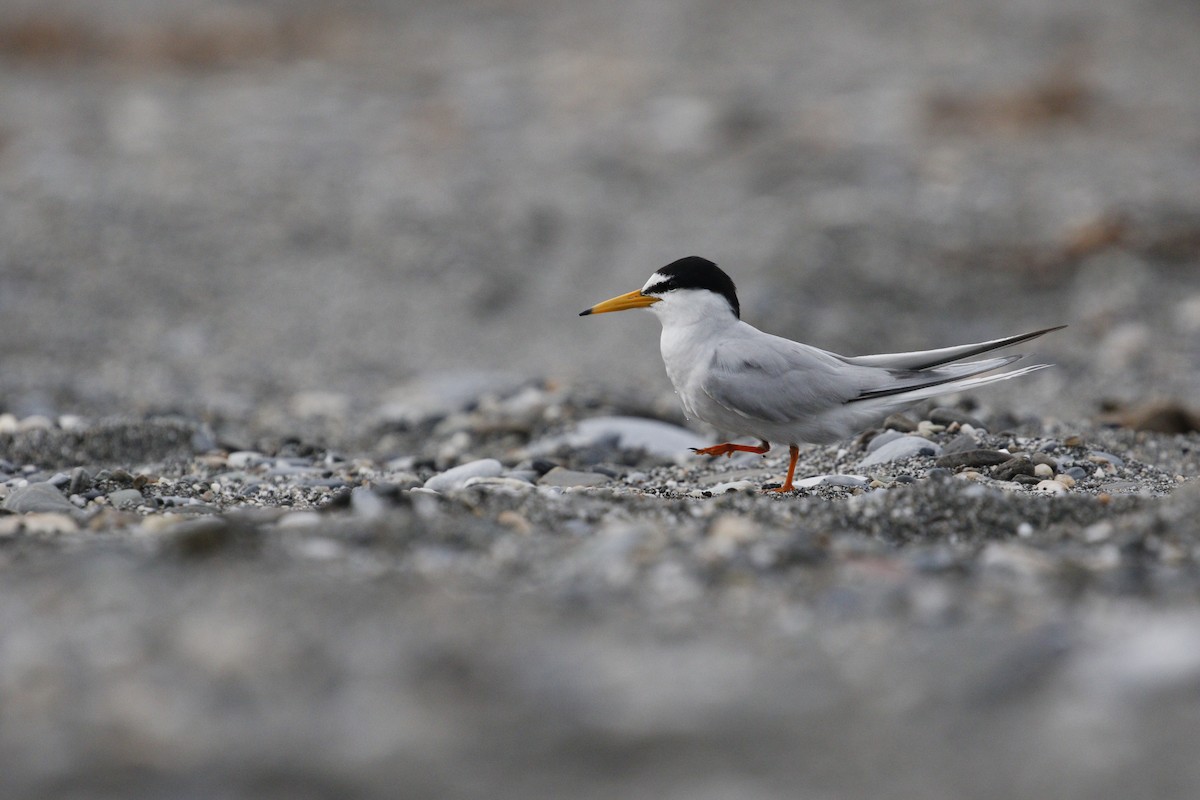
(973, 458)
(1012, 468)
(900, 422)
(962, 443)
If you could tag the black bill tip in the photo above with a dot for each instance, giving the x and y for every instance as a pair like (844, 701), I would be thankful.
(585, 312)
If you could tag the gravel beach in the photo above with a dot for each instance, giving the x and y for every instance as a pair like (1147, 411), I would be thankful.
(313, 484)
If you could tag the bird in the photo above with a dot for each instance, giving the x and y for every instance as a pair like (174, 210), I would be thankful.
(749, 383)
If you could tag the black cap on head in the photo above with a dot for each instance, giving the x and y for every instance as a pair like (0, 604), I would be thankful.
(694, 272)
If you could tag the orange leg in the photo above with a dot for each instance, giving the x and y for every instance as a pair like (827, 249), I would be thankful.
(787, 484)
(728, 449)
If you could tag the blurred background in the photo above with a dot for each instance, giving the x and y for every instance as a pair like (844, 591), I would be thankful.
(213, 204)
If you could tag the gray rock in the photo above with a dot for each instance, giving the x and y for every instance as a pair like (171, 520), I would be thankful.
(882, 439)
(126, 498)
(568, 477)
(900, 448)
(1099, 456)
(974, 458)
(38, 498)
(961, 444)
(455, 478)
(81, 481)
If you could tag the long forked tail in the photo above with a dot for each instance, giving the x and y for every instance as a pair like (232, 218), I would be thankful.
(924, 359)
(903, 397)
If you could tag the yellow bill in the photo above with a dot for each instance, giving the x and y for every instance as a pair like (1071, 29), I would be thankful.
(634, 299)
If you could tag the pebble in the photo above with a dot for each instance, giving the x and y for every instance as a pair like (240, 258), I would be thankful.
(458, 476)
(1050, 487)
(1100, 457)
(81, 481)
(242, 459)
(630, 433)
(961, 444)
(851, 481)
(900, 448)
(126, 498)
(946, 416)
(1043, 470)
(502, 482)
(560, 476)
(1078, 473)
(1065, 480)
(1010, 469)
(38, 498)
(974, 458)
(882, 439)
(927, 428)
(900, 422)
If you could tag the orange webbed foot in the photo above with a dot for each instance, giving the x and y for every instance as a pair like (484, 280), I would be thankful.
(728, 449)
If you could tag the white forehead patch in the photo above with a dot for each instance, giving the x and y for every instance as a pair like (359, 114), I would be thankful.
(656, 280)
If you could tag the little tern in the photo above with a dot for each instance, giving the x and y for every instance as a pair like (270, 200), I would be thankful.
(749, 383)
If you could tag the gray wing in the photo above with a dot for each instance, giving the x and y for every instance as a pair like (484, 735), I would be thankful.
(771, 379)
(924, 359)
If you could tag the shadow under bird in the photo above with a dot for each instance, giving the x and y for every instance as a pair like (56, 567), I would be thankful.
(746, 382)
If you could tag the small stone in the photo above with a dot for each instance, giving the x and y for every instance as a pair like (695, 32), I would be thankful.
(38, 498)
(927, 428)
(501, 482)
(1043, 470)
(560, 476)
(974, 458)
(1100, 457)
(900, 422)
(1013, 467)
(1043, 458)
(1073, 441)
(1050, 487)
(1027, 480)
(126, 498)
(1078, 473)
(899, 449)
(242, 459)
(1065, 480)
(455, 478)
(939, 474)
(80, 482)
(945, 416)
(961, 444)
(1097, 532)
(1024, 530)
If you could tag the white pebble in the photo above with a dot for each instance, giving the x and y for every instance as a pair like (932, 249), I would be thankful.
(1024, 530)
(240, 459)
(458, 476)
(1043, 471)
(1065, 479)
(927, 428)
